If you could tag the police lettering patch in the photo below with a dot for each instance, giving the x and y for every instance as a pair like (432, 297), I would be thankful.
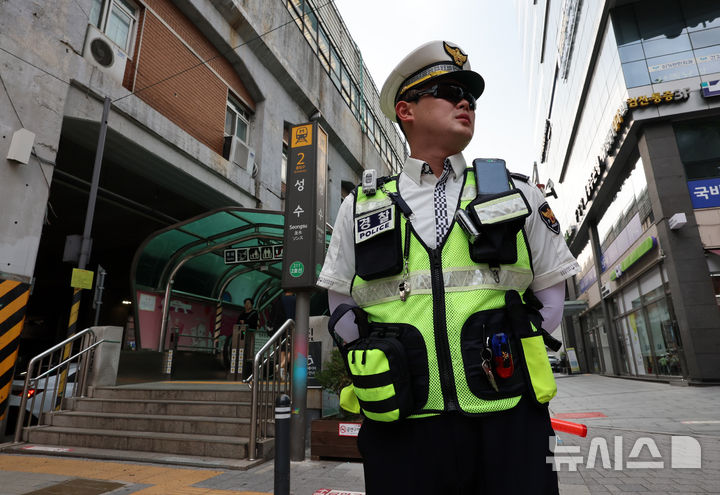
(548, 217)
(374, 223)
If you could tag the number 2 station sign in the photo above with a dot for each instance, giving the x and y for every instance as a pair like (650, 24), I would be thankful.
(305, 207)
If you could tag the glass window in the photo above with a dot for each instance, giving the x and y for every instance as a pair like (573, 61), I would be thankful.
(354, 98)
(297, 13)
(625, 25)
(701, 14)
(323, 44)
(708, 59)
(96, 12)
(631, 297)
(650, 282)
(335, 67)
(297, 6)
(698, 141)
(672, 67)
(620, 225)
(311, 27)
(116, 18)
(706, 37)
(665, 46)
(659, 19)
(664, 337)
(616, 306)
(630, 53)
(237, 119)
(636, 322)
(636, 74)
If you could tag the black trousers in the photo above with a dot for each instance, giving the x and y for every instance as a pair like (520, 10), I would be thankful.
(498, 454)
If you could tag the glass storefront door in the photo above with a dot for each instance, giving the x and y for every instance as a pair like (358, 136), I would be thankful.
(646, 328)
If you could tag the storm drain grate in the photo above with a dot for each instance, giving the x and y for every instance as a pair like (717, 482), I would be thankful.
(78, 486)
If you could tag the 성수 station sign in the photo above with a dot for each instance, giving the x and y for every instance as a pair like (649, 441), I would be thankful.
(304, 239)
(614, 134)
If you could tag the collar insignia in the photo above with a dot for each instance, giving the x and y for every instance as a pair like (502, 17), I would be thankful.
(456, 53)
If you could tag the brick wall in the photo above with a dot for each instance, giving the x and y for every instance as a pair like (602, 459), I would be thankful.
(195, 98)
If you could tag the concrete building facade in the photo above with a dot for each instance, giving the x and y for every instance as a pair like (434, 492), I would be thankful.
(627, 123)
(203, 93)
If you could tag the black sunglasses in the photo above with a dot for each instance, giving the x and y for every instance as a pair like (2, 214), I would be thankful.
(449, 92)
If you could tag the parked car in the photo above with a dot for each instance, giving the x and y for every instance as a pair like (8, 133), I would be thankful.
(554, 362)
(40, 397)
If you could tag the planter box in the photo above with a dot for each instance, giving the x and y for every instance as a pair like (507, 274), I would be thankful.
(334, 438)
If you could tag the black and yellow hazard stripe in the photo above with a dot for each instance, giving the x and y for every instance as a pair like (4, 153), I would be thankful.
(72, 329)
(13, 301)
(218, 326)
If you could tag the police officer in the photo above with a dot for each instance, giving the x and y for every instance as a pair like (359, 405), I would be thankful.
(467, 411)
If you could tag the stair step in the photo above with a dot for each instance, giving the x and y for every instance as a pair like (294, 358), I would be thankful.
(234, 394)
(175, 443)
(160, 407)
(135, 456)
(202, 425)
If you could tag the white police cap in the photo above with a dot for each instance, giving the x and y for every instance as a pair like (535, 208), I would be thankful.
(432, 60)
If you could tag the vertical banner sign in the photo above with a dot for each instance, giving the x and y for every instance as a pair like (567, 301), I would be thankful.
(305, 207)
(13, 301)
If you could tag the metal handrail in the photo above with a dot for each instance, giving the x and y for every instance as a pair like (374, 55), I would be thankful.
(264, 389)
(89, 343)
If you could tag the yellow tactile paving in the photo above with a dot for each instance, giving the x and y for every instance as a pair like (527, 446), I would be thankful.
(165, 480)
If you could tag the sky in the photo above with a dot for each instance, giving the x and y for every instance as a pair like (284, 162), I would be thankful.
(387, 30)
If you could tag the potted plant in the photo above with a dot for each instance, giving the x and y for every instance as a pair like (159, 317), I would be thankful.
(335, 436)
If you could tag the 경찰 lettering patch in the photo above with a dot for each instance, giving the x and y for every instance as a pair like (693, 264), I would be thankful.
(374, 223)
(548, 218)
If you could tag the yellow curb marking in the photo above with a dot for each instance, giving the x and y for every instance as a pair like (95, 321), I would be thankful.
(166, 480)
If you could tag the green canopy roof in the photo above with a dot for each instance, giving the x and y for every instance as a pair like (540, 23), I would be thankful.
(192, 254)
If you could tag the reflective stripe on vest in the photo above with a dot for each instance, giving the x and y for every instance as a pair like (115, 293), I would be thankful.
(500, 209)
(454, 279)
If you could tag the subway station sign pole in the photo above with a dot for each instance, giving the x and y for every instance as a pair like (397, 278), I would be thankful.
(303, 256)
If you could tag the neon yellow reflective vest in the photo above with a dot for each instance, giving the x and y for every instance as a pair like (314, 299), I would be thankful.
(446, 289)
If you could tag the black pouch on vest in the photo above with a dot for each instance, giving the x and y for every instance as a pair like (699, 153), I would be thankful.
(475, 338)
(378, 250)
(499, 218)
(387, 364)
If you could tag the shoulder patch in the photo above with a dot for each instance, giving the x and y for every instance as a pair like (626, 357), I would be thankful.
(521, 177)
(548, 218)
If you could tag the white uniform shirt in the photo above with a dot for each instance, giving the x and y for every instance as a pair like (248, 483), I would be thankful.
(552, 260)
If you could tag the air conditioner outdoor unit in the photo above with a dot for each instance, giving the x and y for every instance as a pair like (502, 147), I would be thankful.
(104, 54)
(239, 153)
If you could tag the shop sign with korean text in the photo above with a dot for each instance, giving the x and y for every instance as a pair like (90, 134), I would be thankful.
(304, 241)
(705, 193)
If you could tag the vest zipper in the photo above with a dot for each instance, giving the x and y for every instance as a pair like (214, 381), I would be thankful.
(447, 379)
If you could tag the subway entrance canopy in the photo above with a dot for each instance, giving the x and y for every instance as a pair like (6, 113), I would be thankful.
(190, 279)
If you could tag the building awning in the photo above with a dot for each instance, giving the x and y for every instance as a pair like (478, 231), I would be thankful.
(192, 254)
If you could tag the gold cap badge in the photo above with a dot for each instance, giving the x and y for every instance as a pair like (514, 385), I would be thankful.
(456, 53)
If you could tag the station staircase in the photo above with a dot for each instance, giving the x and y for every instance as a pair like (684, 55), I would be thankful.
(205, 422)
(195, 424)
